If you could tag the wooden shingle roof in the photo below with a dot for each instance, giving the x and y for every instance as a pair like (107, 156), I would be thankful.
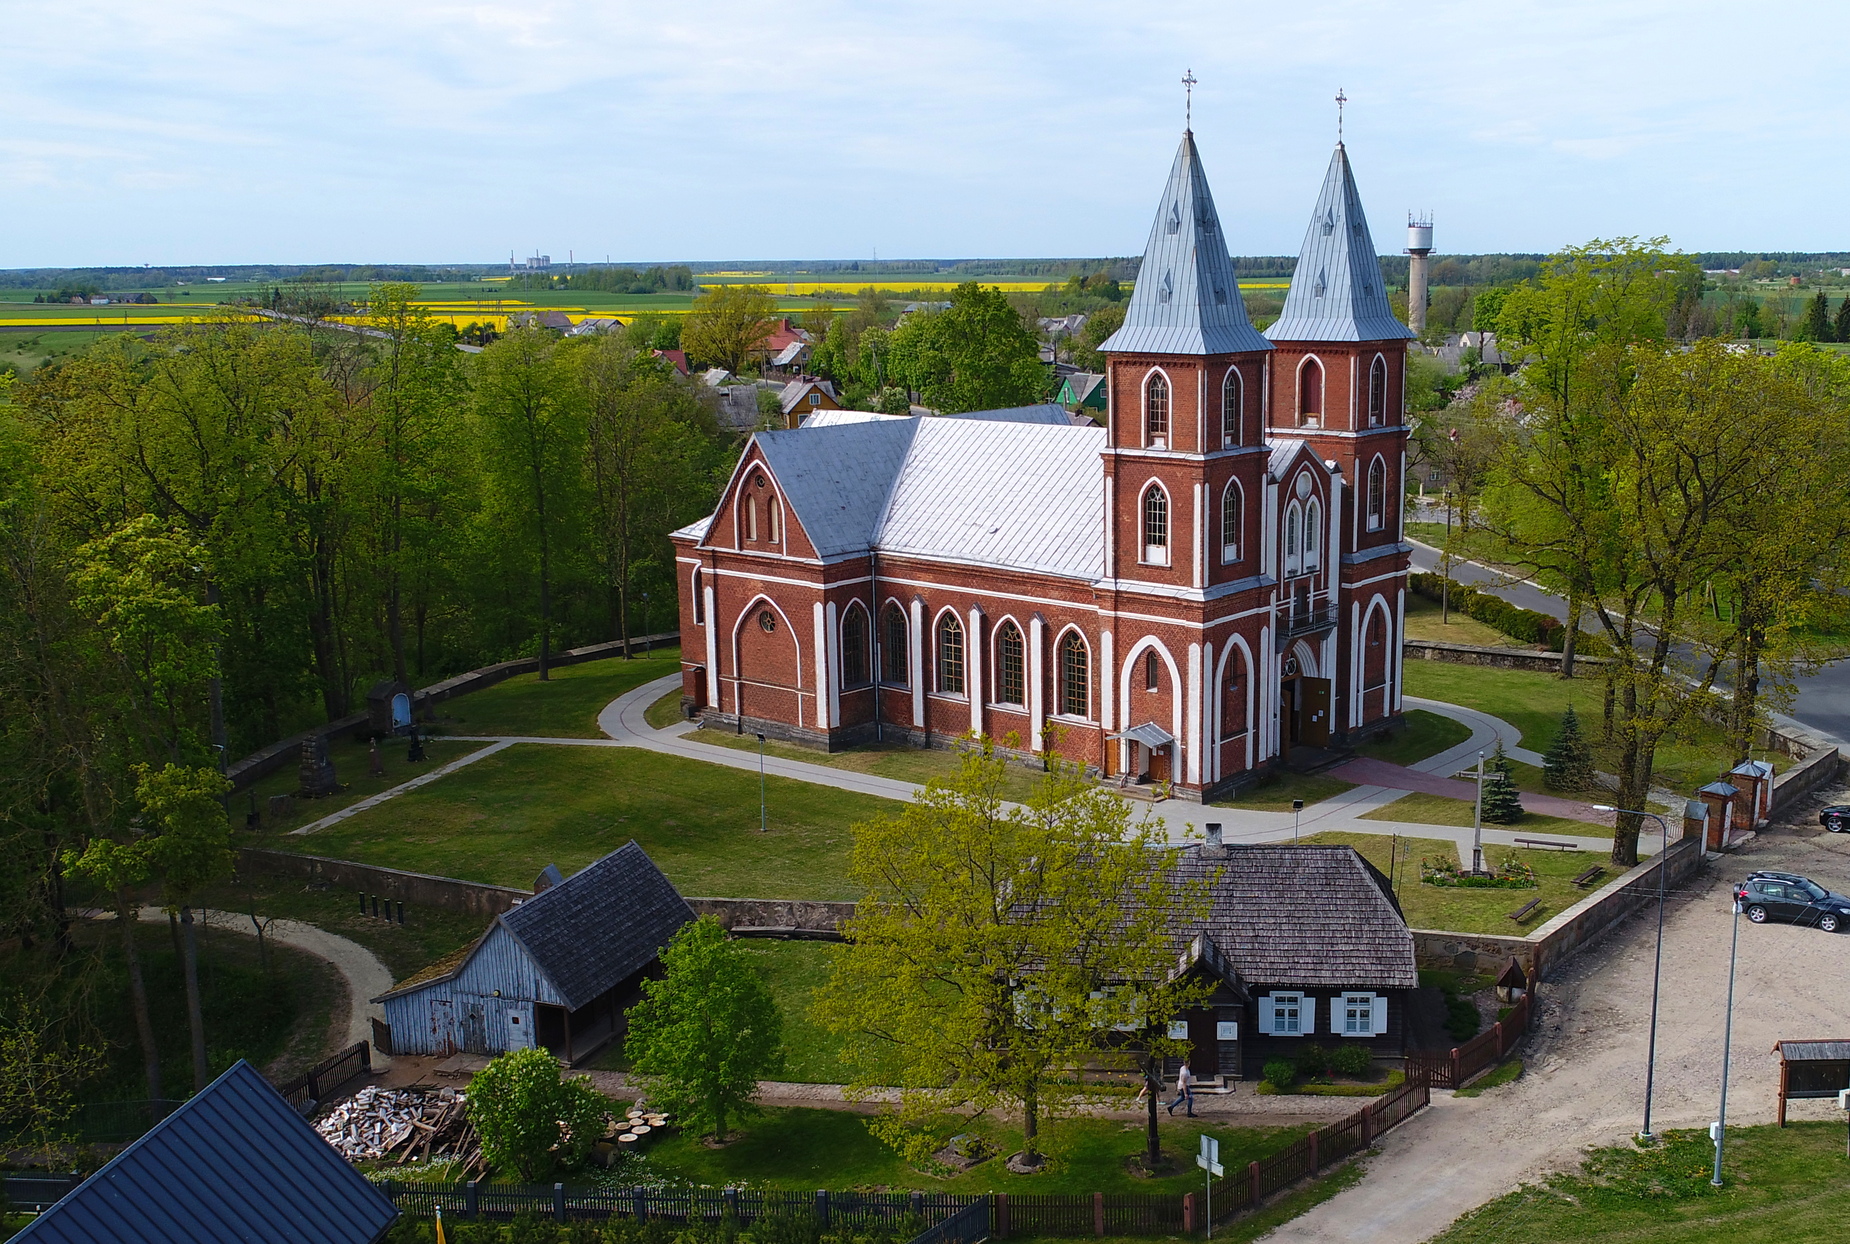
(1311, 916)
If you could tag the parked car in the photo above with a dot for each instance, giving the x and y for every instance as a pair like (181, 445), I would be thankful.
(1768, 896)
(1836, 818)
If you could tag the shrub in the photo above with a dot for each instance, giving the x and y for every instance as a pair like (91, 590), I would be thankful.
(1351, 1059)
(1281, 1072)
(1313, 1061)
(531, 1118)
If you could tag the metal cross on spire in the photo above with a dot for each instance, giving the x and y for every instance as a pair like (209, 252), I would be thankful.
(1341, 99)
(1188, 100)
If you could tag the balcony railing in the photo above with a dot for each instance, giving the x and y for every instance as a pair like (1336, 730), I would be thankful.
(1300, 617)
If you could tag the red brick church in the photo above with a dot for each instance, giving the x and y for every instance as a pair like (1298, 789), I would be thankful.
(1214, 578)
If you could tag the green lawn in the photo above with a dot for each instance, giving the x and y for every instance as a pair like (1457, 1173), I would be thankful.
(352, 766)
(1275, 793)
(666, 711)
(804, 1148)
(563, 707)
(1465, 910)
(502, 819)
(1533, 702)
(1427, 734)
(899, 761)
(1440, 810)
(1779, 1185)
(795, 970)
(1423, 621)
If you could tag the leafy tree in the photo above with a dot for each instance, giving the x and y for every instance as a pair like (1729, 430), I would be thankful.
(727, 323)
(1098, 326)
(1502, 801)
(997, 946)
(706, 1031)
(977, 354)
(40, 1074)
(1569, 762)
(532, 1120)
(1817, 324)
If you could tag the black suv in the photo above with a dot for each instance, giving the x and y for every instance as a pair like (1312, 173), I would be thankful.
(1836, 818)
(1768, 896)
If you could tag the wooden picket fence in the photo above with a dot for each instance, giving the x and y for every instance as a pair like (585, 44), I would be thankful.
(306, 1090)
(1458, 1066)
(941, 1218)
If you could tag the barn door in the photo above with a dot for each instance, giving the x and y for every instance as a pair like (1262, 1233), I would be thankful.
(443, 1026)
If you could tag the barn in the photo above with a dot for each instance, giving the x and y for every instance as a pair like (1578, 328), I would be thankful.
(556, 971)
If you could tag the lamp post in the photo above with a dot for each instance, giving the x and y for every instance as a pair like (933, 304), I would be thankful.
(1297, 806)
(1721, 1122)
(1477, 820)
(1657, 969)
(764, 816)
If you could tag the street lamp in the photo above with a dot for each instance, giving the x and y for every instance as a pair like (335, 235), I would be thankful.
(764, 817)
(1721, 1123)
(1297, 806)
(1477, 821)
(1657, 970)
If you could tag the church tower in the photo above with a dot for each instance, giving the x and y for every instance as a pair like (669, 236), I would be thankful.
(1186, 380)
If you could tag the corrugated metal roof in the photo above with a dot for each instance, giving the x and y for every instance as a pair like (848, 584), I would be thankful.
(1019, 496)
(835, 418)
(235, 1163)
(1336, 290)
(838, 483)
(1050, 413)
(601, 925)
(1306, 916)
(1813, 1051)
(1186, 300)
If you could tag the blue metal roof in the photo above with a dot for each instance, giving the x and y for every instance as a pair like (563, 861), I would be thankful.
(1336, 290)
(235, 1163)
(1186, 300)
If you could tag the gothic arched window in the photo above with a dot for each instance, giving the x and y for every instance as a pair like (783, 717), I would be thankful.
(1232, 515)
(1377, 494)
(1377, 392)
(1310, 392)
(1011, 683)
(1156, 410)
(950, 655)
(1230, 403)
(1294, 520)
(855, 666)
(1075, 677)
(893, 656)
(1156, 525)
(1313, 531)
(1233, 697)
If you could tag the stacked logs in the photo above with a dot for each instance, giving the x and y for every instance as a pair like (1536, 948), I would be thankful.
(407, 1125)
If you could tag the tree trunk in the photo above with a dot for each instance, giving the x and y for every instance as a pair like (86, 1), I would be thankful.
(1570, 640)
(1152, 1142)
(126, 916)
(1030, 1128)
(195, 1018)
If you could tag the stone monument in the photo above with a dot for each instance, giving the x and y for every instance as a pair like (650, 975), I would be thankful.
(316, 773)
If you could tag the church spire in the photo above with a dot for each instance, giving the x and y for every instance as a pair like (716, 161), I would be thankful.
(1186, 300)
(1336, 290)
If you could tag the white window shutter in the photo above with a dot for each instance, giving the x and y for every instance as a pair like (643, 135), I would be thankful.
(1379, 1026)
(1267, 1019)
(1308, 1025)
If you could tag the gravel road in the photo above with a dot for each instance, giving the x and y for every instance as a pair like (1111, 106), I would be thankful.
(1586, 1060)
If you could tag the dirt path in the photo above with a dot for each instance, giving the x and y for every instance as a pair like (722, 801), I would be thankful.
(360, 970)
(1586, 1062)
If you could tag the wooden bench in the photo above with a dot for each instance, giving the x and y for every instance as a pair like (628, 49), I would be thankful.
(1588, 877)
(1524, 910)
(1547, 842)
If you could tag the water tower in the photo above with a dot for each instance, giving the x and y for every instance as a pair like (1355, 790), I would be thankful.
(1419, 249)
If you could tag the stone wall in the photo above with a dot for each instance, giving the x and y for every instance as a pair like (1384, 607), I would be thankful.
(415, 889)
(1570, 931)
(1499, 658)
(810, 919)
(282, 753)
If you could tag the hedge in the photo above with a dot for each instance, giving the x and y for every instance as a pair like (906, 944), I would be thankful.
(1493, 611)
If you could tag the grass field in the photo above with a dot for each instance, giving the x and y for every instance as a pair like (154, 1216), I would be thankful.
(502, 819)
(893, 760)
(352, 766)
(564, 707)
(1427, 734)
(1275, 794)
(802, 1148)
(1459, 813)
(1533, 702)
(1423, 622)
(1779, 1185)
(1465, 910)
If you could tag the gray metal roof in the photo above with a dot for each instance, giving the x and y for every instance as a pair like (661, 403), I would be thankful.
(1186, 300)
(1813, 1051)
(836, 480)
(235, 1163)
(1051, 413)
(1336, 290)
(601, 925)
(1304, 916)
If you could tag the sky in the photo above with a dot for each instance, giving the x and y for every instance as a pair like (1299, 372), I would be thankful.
(405, 131)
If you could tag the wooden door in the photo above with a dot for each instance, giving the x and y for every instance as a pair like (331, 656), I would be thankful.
(1203, 1049)
(1159, 763)
(1314, 712)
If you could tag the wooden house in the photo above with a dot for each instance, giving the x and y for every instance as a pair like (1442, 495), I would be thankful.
(805, 396)
(557, 971)
(1083, 390)
(1303, 944)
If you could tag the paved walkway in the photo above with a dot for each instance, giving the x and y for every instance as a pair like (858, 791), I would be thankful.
(364, 975)
(1364, 771)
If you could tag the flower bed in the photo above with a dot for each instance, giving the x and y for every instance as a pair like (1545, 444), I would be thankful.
(1510, 874)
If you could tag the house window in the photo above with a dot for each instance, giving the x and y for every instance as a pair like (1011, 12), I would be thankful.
(893, 646)
(854, 663)
(1009, 679)
(1377, 392)
(1288, 1014)
(1152, 672)
(1232, 507)
(950, 655)
(1075, 677)
(1310, 393)
(815, 399)
(1358, 1015)
(700, 602)
(1230, 408)
(1156, 525)
(1313, 525)
(1377, 494)
(1156, 411)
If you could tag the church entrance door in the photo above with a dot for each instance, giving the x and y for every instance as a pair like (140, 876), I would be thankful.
(1159, 764)
(1313, 712)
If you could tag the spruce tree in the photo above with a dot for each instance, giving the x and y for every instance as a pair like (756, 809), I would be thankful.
(1569, 762)
(1818, 318)
(1502, 802)
(1843, 320)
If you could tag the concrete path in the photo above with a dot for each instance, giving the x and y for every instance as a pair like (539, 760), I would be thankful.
(422, 779)
(365, 977)
(1364, 771)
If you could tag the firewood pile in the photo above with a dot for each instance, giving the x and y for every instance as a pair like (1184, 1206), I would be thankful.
(408, 1125)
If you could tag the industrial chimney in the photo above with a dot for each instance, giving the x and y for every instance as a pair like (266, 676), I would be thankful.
(1419, 248)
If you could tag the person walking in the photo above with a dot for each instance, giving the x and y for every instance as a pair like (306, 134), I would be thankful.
(1185, 1091)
